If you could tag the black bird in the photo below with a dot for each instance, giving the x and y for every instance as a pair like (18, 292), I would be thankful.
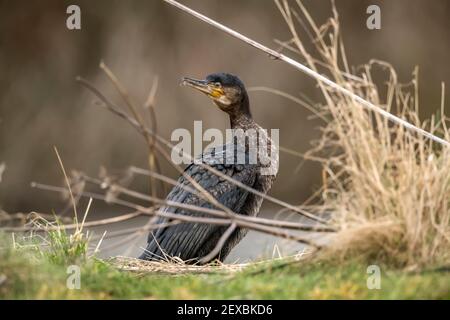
(191, 241)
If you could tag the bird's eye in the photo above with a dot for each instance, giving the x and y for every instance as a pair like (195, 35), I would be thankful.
(217, 84)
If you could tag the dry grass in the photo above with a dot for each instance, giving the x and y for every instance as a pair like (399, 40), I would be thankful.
(176, 266)
(388, 188)
(173, 267)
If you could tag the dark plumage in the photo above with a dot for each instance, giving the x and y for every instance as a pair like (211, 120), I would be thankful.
(192, 241)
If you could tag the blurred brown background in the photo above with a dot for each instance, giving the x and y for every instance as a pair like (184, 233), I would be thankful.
(41, 105)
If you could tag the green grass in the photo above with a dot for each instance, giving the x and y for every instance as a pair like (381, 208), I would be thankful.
(27, 275)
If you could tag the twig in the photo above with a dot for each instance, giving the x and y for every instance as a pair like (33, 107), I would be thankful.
(234, 219)
(284, 224)
(127, 231)
(275, 231)
(74, 225)
(216, 212)
(146, 131)
(150, 106)
(111, 107)
(309, 72)
(219, 244)
(290, 97)
(99, 243)
(68, 184)
(137, 116)
(221, 214)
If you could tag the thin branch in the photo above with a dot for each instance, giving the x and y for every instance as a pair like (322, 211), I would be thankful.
(101, 222)
(137, 116)
(68, 184)
(111, 107)
(272, 222)
(225, 236)
(274, 54)
(128, 231)
(290, 97)
(217, 213)
(225, 220)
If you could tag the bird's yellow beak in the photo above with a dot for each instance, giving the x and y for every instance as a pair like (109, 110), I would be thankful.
(203, 86)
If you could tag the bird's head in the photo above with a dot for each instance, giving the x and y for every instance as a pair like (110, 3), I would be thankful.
(226, 91)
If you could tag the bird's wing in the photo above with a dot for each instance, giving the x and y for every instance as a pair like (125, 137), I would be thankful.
(188, 240)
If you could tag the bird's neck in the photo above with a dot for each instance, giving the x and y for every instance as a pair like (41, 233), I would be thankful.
(241, 117)
(241, 121)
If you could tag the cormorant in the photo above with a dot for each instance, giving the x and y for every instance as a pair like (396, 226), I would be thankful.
(192, 241)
